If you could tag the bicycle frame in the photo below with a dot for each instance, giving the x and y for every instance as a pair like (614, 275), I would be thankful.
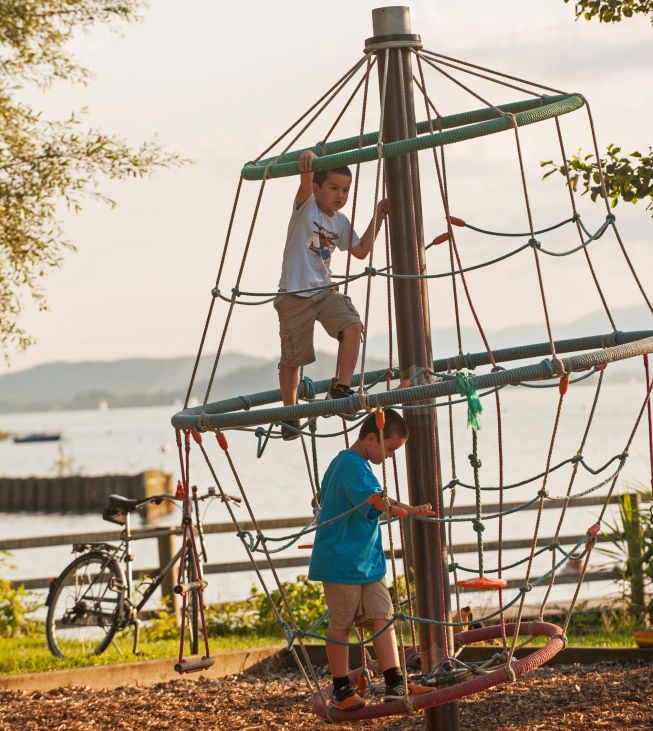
(127, 559)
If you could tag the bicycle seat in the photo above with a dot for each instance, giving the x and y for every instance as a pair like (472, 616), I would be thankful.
(118, 508)
(123, 503)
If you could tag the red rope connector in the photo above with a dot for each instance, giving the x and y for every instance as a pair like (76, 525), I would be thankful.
(179, 492)
(196, 436)
(222, 441)
(178, 437)
(445, 236)
(406, 384)
(305, 545)
(379, 418)
(564, 384)
(440, 239)
(600, 367)
(591, 535)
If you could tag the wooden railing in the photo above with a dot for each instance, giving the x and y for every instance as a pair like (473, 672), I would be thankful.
(165, 536)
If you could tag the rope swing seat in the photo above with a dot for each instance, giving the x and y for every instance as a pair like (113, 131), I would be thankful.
(428, 388)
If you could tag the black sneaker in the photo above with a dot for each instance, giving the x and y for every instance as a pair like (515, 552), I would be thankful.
(290, 429)
(399, 691)
(338, 391)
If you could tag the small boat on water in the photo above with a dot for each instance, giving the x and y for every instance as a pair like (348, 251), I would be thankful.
(37, 437)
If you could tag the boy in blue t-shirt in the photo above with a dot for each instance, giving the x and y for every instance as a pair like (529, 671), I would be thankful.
(348, 557)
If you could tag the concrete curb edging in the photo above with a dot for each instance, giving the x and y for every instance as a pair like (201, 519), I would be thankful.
(146, 672)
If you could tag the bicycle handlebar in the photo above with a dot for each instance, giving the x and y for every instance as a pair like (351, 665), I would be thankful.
(211, 493)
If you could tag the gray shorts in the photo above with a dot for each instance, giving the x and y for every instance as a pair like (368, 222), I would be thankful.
(357, 604)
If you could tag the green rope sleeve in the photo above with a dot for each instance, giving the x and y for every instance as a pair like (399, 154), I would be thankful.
(474, 406)
(456, 128)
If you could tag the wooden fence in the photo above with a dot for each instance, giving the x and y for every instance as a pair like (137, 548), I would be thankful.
(165, 536)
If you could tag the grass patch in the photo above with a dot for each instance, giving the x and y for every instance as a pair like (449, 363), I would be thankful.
(31, 654)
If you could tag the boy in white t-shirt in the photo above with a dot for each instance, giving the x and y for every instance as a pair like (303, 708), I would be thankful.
(315, 230)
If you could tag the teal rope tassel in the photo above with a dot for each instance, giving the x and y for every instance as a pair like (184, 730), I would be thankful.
(474, 406)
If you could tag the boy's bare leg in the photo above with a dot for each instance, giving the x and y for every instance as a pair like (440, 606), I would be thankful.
(338, 655)
(348, 352)
(288, 382)
(385, 645)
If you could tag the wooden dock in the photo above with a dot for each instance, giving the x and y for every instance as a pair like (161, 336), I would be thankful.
(80, 493)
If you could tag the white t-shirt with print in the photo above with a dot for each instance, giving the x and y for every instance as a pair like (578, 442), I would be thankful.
(311, 239)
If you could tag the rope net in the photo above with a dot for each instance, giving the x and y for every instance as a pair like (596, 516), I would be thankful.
(477, 461)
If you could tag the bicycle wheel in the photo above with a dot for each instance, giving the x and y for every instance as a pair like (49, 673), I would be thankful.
(85, 606)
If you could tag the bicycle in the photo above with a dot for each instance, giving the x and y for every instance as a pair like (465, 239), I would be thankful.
(94, 596)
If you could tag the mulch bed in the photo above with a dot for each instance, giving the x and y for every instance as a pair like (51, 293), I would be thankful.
(605, 695)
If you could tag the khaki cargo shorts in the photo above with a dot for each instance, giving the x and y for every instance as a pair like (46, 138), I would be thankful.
(357, 604)
(297, 316)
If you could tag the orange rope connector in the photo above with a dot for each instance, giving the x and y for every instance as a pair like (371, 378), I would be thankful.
(406, 384)
(222, 441)
(591, 535)
(379, 418)
(196, 436)
(445, 236)
(482, 582)
(440, 239)
(600, 367)
(362, 687)
(179, 492)
(305, 545)
(564, 384)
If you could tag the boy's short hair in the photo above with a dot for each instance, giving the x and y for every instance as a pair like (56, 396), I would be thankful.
(395, 424)
(321, 175)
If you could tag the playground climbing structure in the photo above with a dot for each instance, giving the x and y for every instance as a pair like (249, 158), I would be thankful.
(461, 386)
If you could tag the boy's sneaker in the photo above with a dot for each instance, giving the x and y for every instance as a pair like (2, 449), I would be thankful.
(397, 692)
(347, 699)
(289, 429)
(337, 391)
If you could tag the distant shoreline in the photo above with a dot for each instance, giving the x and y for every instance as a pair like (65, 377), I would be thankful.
(174, 399)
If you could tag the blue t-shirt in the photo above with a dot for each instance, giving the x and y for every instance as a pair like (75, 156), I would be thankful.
(350, 550)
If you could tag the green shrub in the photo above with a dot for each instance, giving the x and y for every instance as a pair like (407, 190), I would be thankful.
(163, 626)
(255, 614)
(305, 598)
(15, 605)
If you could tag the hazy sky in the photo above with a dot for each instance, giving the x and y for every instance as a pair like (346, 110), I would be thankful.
(218, 81)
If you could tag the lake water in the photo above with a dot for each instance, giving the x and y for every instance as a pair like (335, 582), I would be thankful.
(132, 440)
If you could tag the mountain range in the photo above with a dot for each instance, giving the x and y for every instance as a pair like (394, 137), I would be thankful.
(164, 381)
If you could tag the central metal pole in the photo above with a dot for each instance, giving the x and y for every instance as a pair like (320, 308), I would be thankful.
(393, 40)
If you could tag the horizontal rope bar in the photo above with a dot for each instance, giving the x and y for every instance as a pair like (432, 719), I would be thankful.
(216, 417)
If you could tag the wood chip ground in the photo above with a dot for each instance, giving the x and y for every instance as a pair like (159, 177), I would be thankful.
(603, 696)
